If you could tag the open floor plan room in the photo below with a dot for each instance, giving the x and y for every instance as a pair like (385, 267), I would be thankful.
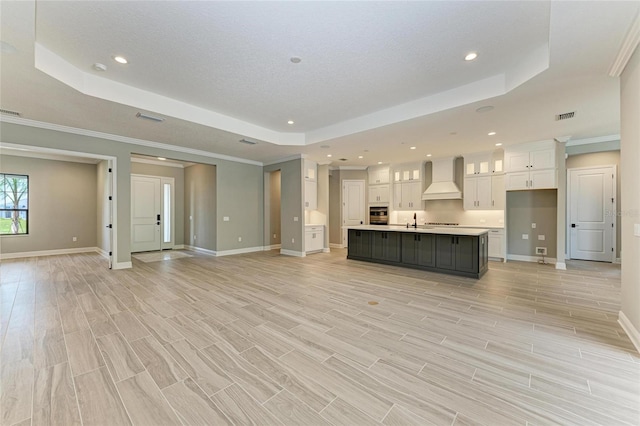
(261, 338)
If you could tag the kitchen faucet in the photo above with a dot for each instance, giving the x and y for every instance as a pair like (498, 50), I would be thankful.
(415, 221)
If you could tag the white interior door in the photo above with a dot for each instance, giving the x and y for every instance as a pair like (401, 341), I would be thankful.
(591, 221)
(353, 205)
(146, 210)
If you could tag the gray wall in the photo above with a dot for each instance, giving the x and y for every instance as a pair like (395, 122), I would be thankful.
(597, 159)
(525, 208)
(62, 204)
(630, 161)
(291, 204)
(177, 173)
(239, 185)
(334, 207)
(102, 206)
(200, 206)
(274, 208)
(323, 199)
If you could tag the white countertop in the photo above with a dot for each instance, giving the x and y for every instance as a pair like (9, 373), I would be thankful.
(454, 230)
(455, 226)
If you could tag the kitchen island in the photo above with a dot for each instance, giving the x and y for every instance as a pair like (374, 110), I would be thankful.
(457, 251)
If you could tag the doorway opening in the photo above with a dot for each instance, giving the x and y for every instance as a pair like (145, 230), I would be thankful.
(273, 208)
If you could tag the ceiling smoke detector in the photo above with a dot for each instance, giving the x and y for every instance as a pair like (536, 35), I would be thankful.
(565, 115)
(248, 142)
(9, 112)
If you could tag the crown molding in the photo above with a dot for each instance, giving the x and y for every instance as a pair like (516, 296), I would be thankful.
(351, 167)
(598, 139)
(285, 159)
(629, 44)
(123, 139)
(162, 163)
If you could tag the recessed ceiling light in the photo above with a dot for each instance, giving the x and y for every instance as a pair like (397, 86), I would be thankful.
(485, 108)
(360, 157)
(290, 122)
(428, 155)
(379, 162)
(295, 59)
(161, 158)
(413, 147)
(498, 144)
(471, 56)
(491, 133)
(120, 59)
(329, 155)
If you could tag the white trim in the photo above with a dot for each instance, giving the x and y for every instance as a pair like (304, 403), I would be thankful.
(164, 163)
(597, 139)
(631, 40)
(123, 139)
(272, 247)
(56, 252)
(102, 252)
(522, 258)
(561, 265)
(178, 247)
(351, 168)
(617, 261)
(200, 250)
(326, 250)
(337, 246)
(239, 251)
(293, 253)
(122, 265)
(632, 332)
(285, 159)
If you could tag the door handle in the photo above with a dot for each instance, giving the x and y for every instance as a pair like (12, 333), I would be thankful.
(573, 225)
(158, 218)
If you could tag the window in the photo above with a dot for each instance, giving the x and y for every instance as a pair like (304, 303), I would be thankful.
(14, 204)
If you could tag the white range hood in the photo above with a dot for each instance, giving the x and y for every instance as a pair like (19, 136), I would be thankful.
(443, 186)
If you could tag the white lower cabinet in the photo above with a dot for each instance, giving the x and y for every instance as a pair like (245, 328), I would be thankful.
(497, 248)
(313, 238)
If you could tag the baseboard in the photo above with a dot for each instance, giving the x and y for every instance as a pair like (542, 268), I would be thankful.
(617, 261)
(178, 247)
(40, 253)
(333, 245)
(200, 250)
(326, 250)
(632, 332)
(523, 258)
(272, 247)
(292, 253)
(102, 252)
(561, 265)
(122, 265)
(238, 251)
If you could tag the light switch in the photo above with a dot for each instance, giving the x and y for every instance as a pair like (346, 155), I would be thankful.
(525, 236)
(226, 218)
(533, 226)
(541, 237)
(295, 218)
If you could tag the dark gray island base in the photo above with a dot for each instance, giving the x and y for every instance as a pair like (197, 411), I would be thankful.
(453, 251)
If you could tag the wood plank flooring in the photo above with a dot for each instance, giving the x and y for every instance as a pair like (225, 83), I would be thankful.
(268, 339)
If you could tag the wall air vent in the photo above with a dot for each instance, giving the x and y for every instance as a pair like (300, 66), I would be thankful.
(565, 116)
(343, 159)
(9, 112)
(247, 142)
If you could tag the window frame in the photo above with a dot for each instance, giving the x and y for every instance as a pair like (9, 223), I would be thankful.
(26, 232)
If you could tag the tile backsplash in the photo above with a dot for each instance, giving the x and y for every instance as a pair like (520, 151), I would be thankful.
(449, 211)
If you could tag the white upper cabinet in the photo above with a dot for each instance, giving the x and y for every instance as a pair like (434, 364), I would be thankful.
(379, 194)
(531, 166)
(498, 193)
(310, 170)
(408, 172)
(478, 164)
(477, 193)
(310, 195)
(481, 192)
(378, 175)
(407, 196)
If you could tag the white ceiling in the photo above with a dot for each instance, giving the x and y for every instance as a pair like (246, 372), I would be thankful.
(374, 76)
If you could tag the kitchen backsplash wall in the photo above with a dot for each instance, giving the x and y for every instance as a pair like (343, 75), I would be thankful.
(449, 211)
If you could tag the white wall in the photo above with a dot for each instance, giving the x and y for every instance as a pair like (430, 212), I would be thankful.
(630, 169)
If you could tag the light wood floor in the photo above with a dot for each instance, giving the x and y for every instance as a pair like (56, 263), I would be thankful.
(268, 339)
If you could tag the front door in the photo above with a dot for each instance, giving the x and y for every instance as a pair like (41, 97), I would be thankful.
(592, 204)
(353, 205)
(146, 206)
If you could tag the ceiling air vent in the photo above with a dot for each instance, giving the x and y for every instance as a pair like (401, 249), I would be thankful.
(247, 142)
(9, 112)
(565, 116)
(343, 159)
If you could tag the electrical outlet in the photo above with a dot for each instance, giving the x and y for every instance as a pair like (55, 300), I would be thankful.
(225, 218)
(295, 218)
(194, 237)
(239, 239)
(274, 236)
(525, 236)
(74, 239)
(533, 226)
(293, 241)
(541, 237)
(542, 251)
(190, 217)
